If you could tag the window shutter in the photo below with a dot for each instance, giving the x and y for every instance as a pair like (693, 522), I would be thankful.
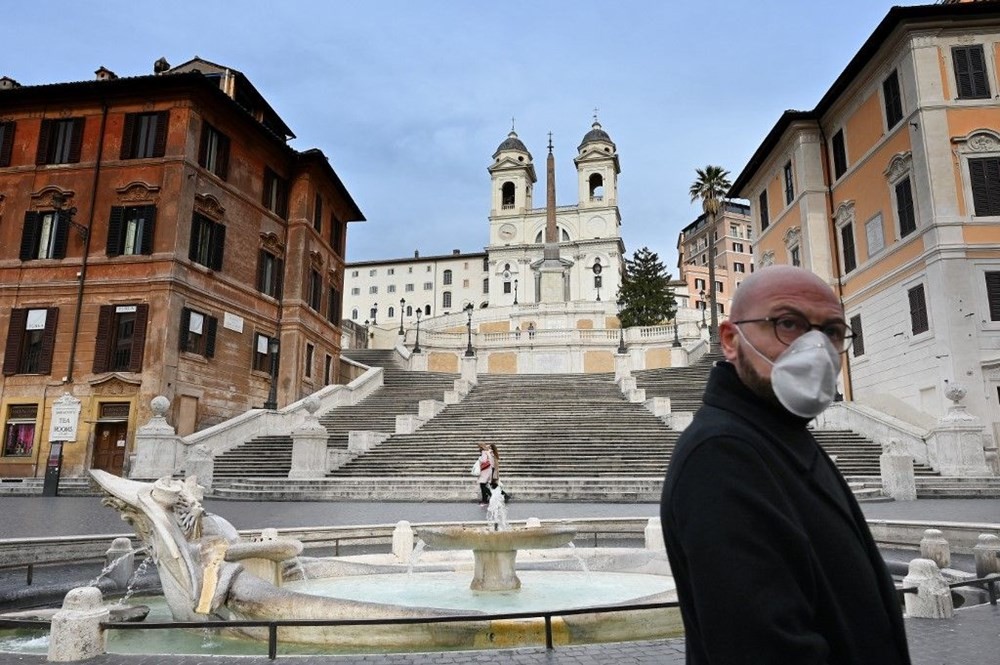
(260, 270)
(185, 324)
(280, 277)
(62, 235)
(44, 134)
(196, 223)
(203, 144)
(765, 218)
(76, 140)
(212, 327)
(282, 198)
(148, 229)
(139, 338)
(984, 175)
(904, 208)
(29, 235)
(128, 137)
(48, 341)
(993, 294)
(977, 73)
(7, 144)
(858, 343)
(218, 245)
(265, 195)
(15, 336)
(847, 236)
(918, 310)
(160, 142)
(963, 81)
(839, 154)
(223, 171)
(115, 223)
(102, 349)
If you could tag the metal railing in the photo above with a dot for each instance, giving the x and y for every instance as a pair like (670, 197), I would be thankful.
(988, 584)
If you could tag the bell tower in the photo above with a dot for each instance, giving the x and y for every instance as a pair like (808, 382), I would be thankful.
(597, 169)
(512, 178)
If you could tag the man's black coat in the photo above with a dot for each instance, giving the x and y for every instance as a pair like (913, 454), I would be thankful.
(772, 557)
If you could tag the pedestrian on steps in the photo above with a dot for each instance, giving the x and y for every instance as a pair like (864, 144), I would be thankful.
(485, 472)
(495, 485)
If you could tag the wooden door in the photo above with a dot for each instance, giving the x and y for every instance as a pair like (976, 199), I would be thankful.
(109, 447)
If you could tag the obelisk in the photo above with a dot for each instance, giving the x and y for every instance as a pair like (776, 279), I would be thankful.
(552, 282)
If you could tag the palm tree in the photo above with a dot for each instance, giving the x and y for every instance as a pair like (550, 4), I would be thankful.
(711, 187)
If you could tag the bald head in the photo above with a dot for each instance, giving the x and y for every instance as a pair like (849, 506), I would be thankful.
(777, 281)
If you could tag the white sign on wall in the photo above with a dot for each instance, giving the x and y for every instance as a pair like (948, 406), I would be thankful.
(36, 319)
(65, 417)
(232, 322)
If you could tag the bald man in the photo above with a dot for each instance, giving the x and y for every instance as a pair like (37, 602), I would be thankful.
(772, 557)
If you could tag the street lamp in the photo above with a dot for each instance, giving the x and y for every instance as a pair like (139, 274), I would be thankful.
(374, 313)
(621, 329)
(469, 353)
(701, 294)
(272, 397)
(402, 301)
(515, 291)
(366, 332)
(677, 339)
(67, 214)
(416, 345)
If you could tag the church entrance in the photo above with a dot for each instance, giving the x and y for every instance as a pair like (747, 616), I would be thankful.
(110, 438)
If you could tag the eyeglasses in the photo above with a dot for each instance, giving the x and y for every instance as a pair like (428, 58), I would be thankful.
(789, 327)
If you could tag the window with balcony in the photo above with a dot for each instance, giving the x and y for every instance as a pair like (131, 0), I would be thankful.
(144, 135)
(130, 230)
(31, 338)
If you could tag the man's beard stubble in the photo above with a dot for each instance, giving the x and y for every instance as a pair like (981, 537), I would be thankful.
(757, 384)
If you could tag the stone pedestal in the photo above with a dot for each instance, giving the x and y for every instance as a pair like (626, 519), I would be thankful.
(956, 445)
(201, 465)
(987, 553)
(309, 442)
(453, 396)
(933, 597)
(428, 408)
(654, 535)
(402, 540)
(658, 406)
(469, 370)
(933, 546)
(361, 441)
(121, 557)
(76, 628)
(898, 479)
(623, 366)
(158, 449)
(408, 423)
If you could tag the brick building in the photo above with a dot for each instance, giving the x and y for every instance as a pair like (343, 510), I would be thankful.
(156, 233)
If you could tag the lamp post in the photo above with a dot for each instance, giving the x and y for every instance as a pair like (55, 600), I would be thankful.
(621, 330)
(272, 397)
(677, 339)
(469, 353)
(402, 301)
(416, 345)
(701, 294)
(67, 214)
(515, 291)
(366, 332)
(374, 313)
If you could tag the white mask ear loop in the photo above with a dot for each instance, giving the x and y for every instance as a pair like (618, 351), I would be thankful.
(744, 338)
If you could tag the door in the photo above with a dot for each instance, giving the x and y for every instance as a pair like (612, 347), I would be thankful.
(109, 446)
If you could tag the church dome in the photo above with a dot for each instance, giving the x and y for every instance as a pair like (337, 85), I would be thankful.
(512, 143)
(595, 135)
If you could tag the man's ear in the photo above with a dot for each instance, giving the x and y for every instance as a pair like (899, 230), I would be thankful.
(729, 340)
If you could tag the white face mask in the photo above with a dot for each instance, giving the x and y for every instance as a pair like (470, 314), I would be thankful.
(804, 376)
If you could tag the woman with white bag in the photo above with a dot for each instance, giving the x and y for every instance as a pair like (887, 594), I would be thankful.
(482, 468)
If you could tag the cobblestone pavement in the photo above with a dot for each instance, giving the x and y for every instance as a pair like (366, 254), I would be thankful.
(973, 635)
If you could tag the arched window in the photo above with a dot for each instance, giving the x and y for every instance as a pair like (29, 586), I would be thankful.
(447, 277)
(563, 235)
(427, 310)
(409, 310)
(392, 312)
(596, 182)
(354, 314)
(507, 195)
(372, 313)
(446, 299)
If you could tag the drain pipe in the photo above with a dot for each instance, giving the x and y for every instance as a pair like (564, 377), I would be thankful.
(848, 383)
(86, 245)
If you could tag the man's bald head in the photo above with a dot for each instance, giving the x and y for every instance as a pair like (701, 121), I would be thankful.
(773, 281)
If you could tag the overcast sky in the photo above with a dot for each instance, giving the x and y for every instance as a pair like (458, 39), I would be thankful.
(410, 99)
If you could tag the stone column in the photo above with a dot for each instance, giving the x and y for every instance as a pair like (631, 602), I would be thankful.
(898, 480)
(933, 597)
(933, 546)
(76, 628)
(158, 449)
(309, 458)
(956, 444)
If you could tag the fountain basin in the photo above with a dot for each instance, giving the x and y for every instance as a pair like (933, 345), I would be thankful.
(495, 551)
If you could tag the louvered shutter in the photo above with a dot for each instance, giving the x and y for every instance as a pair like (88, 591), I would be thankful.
(76, 140)
(15, 337)
(115, 231)
(261, 257)
(44, 135)
(977, 73)
(203, 144)
(279, 269)
(102, 348)
(984, 175)
(904, 207)
(148, 229)
(196, 224)
(218, 245)
(48, 341)
(62, 235)
(138, 338)
(7, 144)
(858, 343)
(993, 294)
(265, 195)
(185, 324)
(847, 236)
(963, 81)
(128, 137)
(918, 310)
(211, 327)
(29, 235)
(223, 159)
(160, 142)
(282, 198)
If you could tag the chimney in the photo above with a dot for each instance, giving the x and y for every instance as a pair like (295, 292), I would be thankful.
(7, 83)
(456, 252)
(161, 66)
(416, 254)
(105, 74)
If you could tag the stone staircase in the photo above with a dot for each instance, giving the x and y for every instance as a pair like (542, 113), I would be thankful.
(683, 385)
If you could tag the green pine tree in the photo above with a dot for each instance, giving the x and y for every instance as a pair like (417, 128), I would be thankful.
(644, 295)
